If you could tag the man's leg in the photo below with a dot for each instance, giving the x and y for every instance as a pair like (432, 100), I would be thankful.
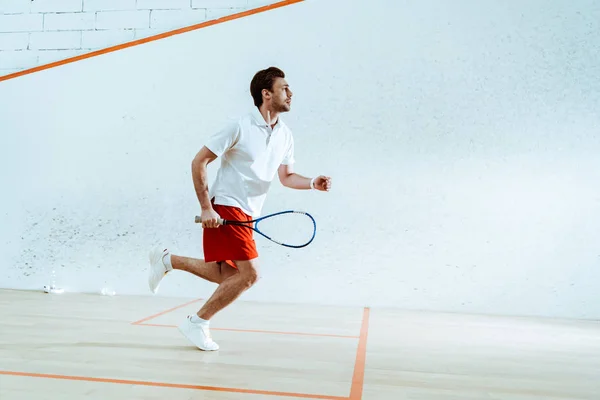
(211, 271)
(196, 327)
(231, 288)
(162, 262)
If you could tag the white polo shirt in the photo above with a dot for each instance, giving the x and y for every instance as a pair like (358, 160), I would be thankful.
(251, 152)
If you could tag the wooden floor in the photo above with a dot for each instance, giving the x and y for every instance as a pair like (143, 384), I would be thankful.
(73, 346)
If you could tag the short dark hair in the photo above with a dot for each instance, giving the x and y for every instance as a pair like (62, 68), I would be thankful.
(264, 79)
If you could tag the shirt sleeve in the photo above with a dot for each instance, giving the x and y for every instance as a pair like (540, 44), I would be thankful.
(288, 158)
(224, 139)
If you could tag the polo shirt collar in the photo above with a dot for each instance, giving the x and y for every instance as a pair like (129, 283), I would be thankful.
(260, 121)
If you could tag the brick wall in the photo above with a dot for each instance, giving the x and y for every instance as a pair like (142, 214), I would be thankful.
(36, 32)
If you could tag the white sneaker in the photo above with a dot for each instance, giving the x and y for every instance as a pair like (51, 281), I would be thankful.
(158, 269)
(198, 334)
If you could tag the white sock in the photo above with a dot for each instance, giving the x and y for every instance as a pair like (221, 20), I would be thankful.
(197, 320)
(167, 262)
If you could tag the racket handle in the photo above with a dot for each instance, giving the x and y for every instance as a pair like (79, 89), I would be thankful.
(198, 220)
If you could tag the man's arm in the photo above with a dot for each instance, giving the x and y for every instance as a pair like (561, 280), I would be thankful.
(199, 176)
(289, 178)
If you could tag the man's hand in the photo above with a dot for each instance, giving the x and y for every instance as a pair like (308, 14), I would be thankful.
(323, 183)
(290, 179)
(210, 218)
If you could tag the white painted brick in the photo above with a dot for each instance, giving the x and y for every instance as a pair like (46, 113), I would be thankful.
(260, 3)
(123, 19)
(143, 33)
(41, 6)
(18, 59)
(55, 40)
(163, 4)
(108, 5)
(172, 19)
(219, 3)
(214, 13)
(69, 21)
(4, 72)
(14, 6)
(21, 22)
(14, 41)
(48, 56)
(102, 39)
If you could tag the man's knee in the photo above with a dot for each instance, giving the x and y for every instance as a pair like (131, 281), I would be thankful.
(249, 270)
(250, 279)
(251, 276)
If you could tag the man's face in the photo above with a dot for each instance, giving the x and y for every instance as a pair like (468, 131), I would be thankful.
(281, 96)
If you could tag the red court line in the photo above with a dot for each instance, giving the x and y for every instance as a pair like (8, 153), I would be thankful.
(150, 39)
(361, 355)
(261, 331)
(142, 322)
(164, 312)
(171, 385)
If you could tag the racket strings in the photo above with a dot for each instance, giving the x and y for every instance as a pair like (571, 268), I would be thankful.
(293, 229)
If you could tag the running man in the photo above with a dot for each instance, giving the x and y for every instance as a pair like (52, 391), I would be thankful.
(252, 149)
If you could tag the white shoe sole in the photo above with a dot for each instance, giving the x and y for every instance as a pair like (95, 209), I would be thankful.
(194, 339)
(157, 268)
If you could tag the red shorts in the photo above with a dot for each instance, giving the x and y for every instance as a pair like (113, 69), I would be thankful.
(229, 242)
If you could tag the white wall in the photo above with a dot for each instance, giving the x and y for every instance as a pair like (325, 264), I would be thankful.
(39, 32)
(463, 141)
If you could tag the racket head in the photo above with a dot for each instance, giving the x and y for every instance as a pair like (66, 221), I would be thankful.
(291, 228)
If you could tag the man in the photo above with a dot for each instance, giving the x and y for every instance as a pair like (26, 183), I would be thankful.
(253, 149)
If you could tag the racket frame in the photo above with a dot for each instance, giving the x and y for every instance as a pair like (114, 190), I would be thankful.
(255, 222)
